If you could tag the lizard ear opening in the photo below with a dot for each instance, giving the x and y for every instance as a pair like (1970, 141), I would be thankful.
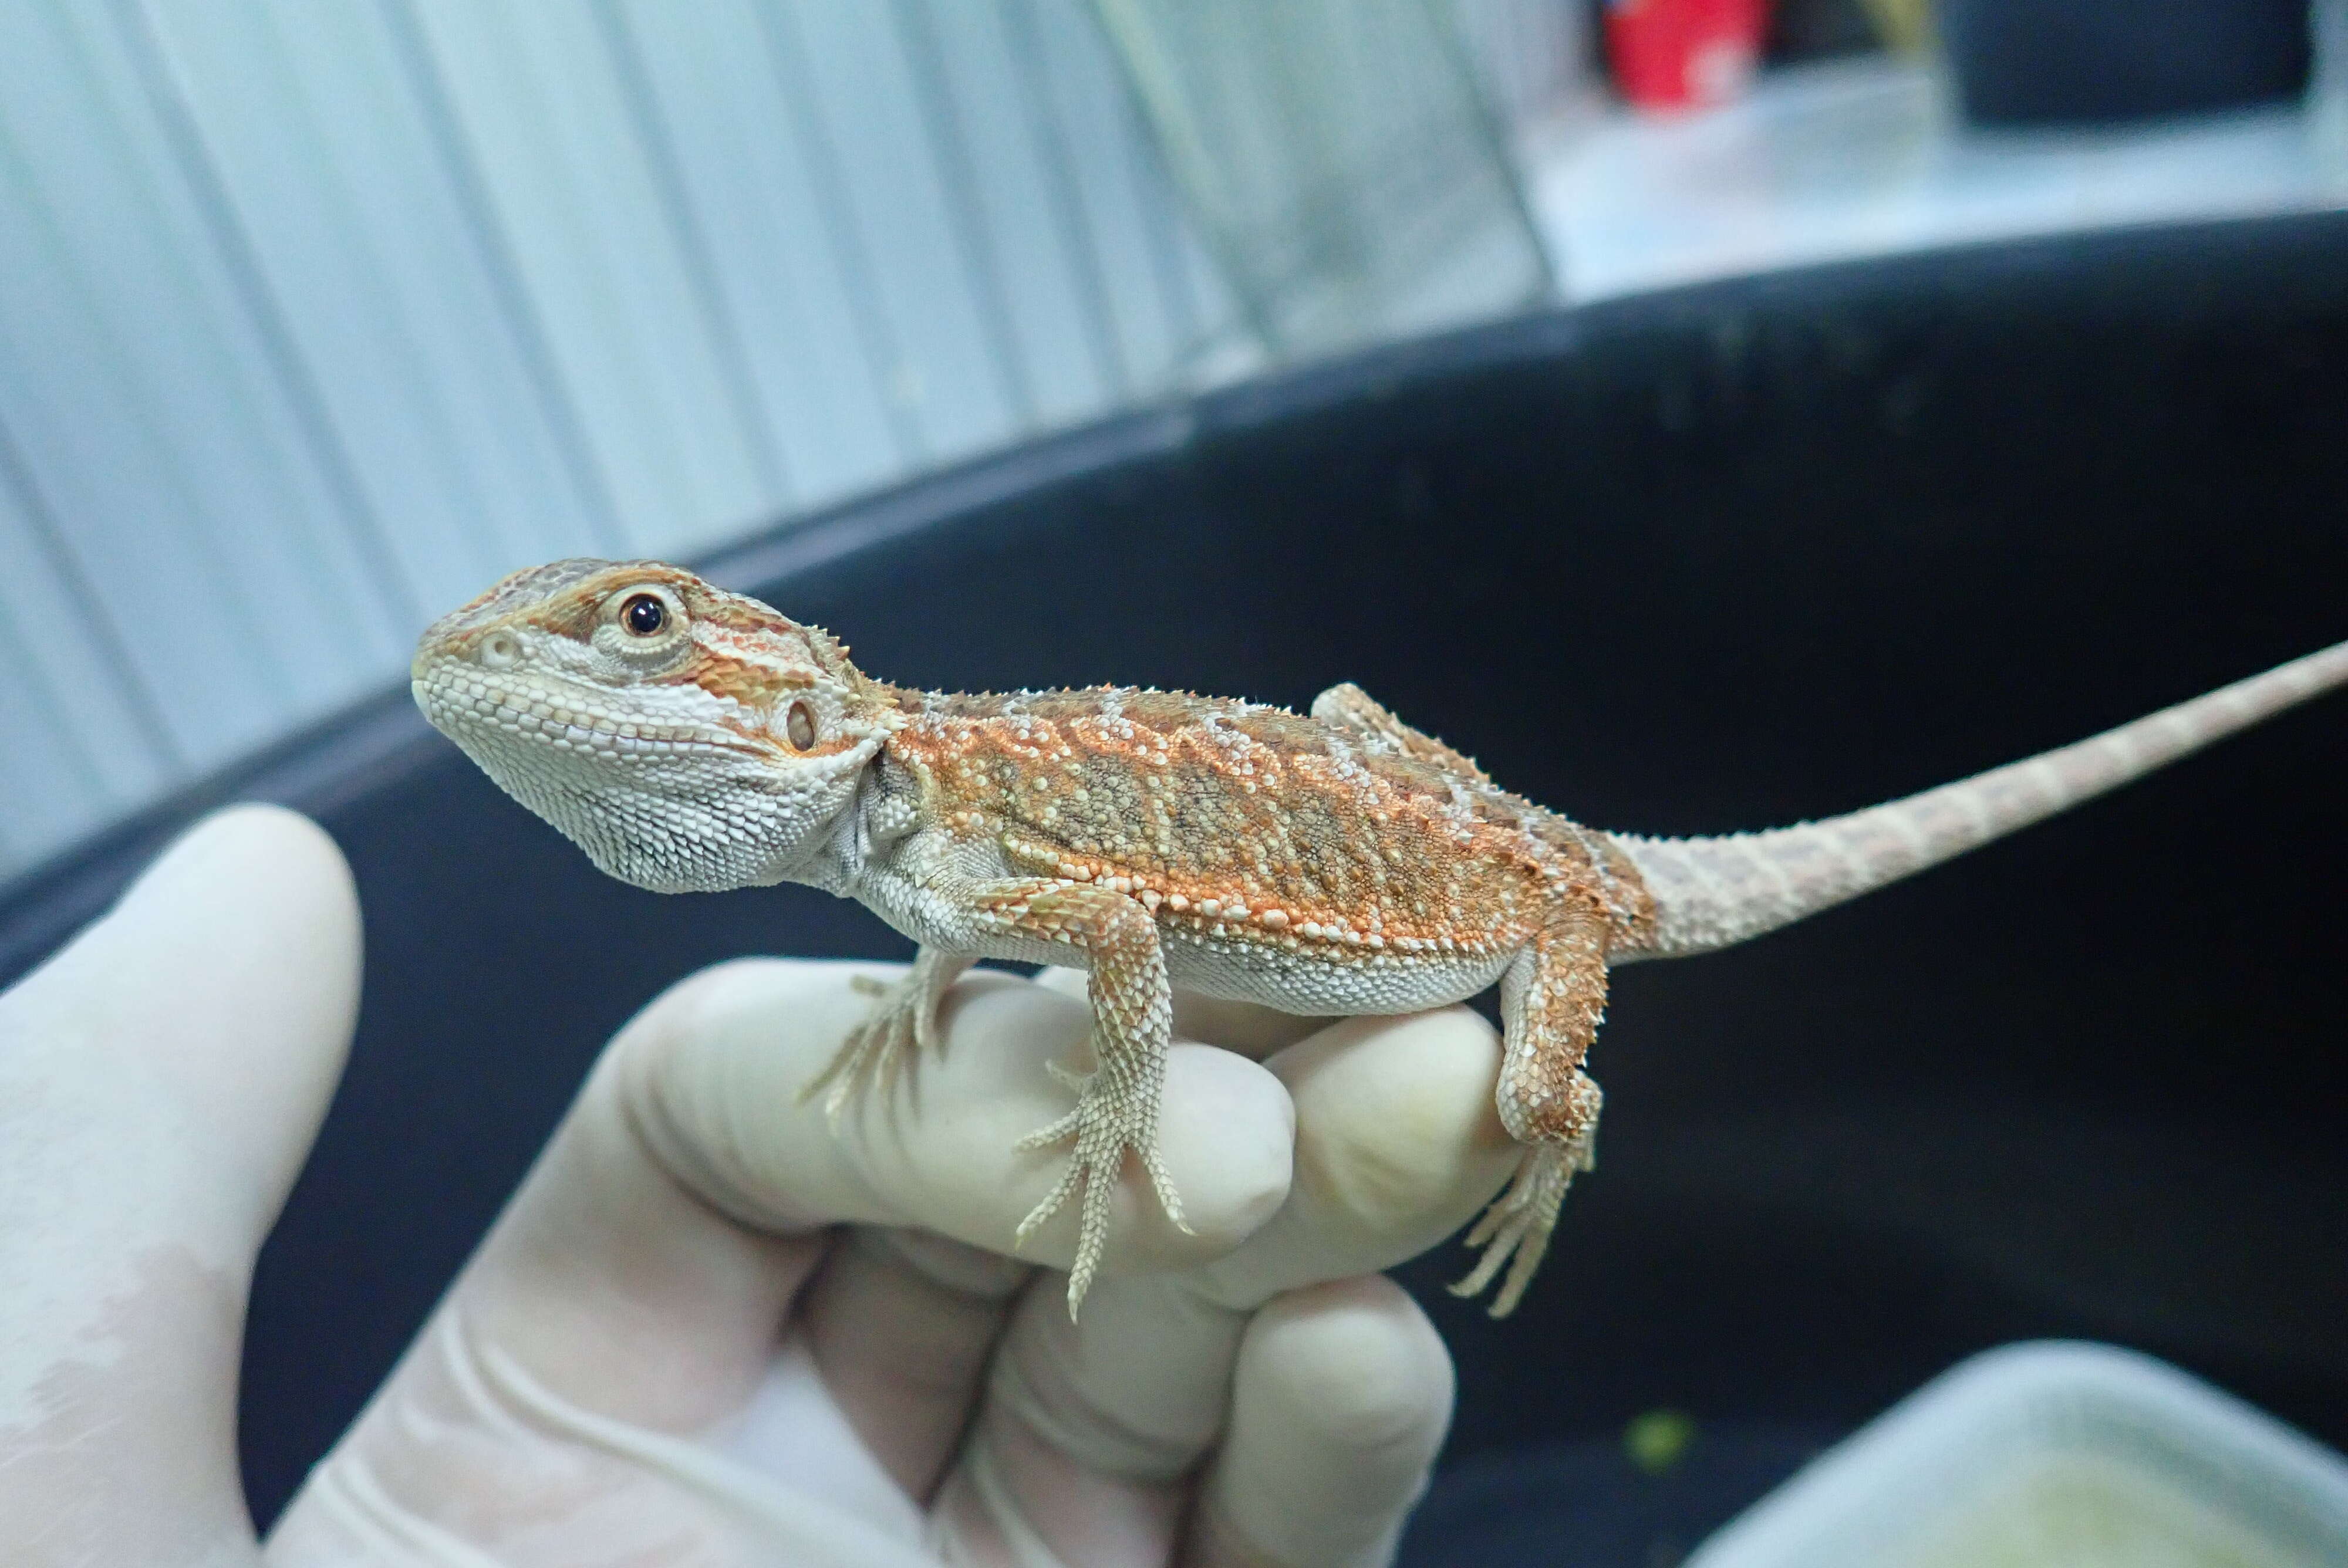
(798, 727)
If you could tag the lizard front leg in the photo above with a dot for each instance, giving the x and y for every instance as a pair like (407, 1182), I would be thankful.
(1551, 1000)
(1133, 1015)
(904, 1016)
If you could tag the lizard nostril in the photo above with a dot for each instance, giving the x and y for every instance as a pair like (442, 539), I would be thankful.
(501, 649)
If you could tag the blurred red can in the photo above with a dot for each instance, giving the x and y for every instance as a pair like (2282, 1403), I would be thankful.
(1683, 54)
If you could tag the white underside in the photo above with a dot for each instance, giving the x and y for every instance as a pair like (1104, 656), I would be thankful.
(1291, 983)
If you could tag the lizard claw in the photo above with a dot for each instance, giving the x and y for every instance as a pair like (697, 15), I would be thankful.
(902, 1024)
(1516, 1229)
(1106, 1125)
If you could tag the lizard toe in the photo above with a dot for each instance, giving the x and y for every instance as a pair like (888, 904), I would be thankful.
(1514, 1231)
(1106, 1127)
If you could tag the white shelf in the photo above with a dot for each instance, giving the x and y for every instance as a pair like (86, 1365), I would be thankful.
(1867, 157)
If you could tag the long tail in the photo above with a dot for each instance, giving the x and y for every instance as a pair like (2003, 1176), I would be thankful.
(1712, 892)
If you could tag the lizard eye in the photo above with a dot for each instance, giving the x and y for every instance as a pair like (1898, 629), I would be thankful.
(643, 615)
(799, 726)
(648, 619)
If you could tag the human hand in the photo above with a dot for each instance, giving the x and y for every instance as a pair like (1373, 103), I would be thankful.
(707, 1330)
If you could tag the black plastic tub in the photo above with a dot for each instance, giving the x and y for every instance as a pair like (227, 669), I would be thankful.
(2085, 62)
(1726, 556)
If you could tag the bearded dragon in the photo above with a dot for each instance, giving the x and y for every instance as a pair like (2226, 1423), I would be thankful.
(1339, 861)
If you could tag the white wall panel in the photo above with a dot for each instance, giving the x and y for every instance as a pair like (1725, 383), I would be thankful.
(81, 738)
(807, 325)
(538, 108)
(315, 318)
(147, 413)
(1118, 208)
(330, 163)
(844, 69)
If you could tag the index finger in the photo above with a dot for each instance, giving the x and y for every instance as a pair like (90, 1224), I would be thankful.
(690, 1187)
(721, 1091)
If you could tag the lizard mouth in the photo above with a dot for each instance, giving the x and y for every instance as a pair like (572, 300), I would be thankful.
(483, 710)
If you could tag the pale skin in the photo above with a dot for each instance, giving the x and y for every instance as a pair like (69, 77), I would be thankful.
(1339, 863)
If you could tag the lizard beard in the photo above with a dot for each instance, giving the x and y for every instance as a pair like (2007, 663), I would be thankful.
(671, 817)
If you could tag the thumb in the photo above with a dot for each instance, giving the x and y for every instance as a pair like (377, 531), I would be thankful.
(160, 1082)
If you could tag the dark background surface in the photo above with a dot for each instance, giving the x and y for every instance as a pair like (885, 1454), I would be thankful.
(1718, 559)
(2087, 62)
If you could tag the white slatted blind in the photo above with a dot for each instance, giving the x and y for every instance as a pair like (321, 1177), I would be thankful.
(316, 318)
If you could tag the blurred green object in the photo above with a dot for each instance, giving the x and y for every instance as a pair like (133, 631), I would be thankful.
(1340, 160)
(1658, 1440)
(1905, 25)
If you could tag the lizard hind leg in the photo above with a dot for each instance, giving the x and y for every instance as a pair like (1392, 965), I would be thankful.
(1515, 1230)
(1551, 999)
(1349, 708)
(903, 1023)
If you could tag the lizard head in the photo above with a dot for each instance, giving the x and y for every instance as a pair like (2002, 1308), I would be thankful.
(687, 738)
